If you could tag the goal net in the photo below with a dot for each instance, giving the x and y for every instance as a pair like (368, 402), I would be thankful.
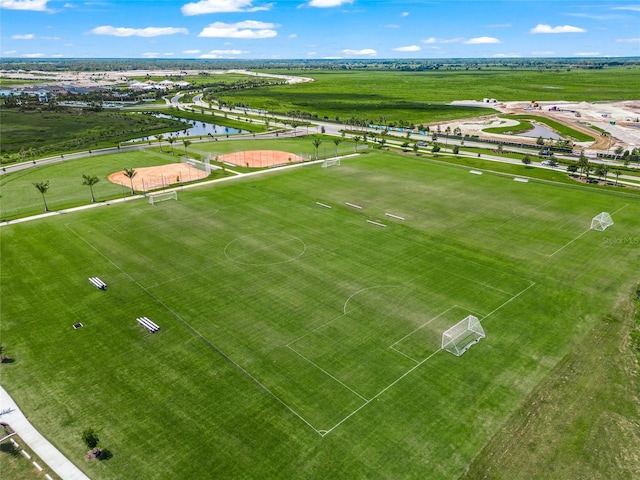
(331, 162)
(459, 338)
(161, 197)
(601, 222)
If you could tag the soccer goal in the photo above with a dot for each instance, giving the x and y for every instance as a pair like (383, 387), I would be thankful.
(161, 197)
(459, 338)
(601, 222)
(331, 162)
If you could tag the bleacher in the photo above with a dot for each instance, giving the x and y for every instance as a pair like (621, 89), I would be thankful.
(98, 283)
(148, 324)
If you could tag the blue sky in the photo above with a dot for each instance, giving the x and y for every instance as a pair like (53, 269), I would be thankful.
(316, 29)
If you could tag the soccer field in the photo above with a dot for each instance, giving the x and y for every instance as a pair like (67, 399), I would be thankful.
(298, 340)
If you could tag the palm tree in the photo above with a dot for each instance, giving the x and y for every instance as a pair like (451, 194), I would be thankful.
(583, 162)
(42, 188)
(337, 141)
(186, 143)
(171, 140)
(90, 181)
(617, 172)
(316, 144)
(356, 139)
(130, 173)
(160, 138)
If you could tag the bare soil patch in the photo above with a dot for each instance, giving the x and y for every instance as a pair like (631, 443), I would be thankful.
(260, 158)
(153, 178)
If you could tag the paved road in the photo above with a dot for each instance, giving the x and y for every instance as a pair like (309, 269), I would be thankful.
(12, 415)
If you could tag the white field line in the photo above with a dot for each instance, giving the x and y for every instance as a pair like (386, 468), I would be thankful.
(508, 301)
(326, 373)
(570, 242)
(198, 334)
(583, 233)
(326, 432)
(403, 354)
(423, 325)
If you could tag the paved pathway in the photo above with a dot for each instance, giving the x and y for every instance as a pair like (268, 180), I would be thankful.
(11, 414)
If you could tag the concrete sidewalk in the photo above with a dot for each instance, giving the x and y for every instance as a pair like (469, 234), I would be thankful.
(11, 415)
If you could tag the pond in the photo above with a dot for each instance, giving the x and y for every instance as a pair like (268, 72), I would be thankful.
(540, 131)
(195, 129)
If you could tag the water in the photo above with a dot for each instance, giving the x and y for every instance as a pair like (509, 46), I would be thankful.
(539, 131)
(196, 129)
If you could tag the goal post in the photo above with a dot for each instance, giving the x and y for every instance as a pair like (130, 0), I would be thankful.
(459, 338)
(331, 162)
(161, 197)
(601, 222)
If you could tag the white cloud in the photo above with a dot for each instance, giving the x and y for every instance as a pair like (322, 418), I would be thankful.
(312, 53)
(57, 55)
(328, 3)
(221, 6)
(222, 53)
(365, 51)
(9, 52)
(632, 8)
(432, 40)
(34, 5)
(26, 36)
(404, 14)
(482, 40)
(543, 28)
(408, 48)
(587, 54)
(191, 52)
(506, 55)
(32, 55)
(137, 32)
(249, 29)
(628, 40)
(293, 35)
(150, 54)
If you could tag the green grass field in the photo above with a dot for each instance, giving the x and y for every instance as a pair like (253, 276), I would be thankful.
(421, 97)
(300, 341)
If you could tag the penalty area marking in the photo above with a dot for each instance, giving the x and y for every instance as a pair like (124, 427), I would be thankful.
(475, 172)
(521, 180)
(353, 205)
(397, 217)
(323, 205)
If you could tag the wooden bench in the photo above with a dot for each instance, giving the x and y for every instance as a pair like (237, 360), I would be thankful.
(98, 283)
(148, 324)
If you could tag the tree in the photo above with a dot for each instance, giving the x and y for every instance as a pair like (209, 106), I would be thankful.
(540, 141)
(42, 188)
(601, 171)
(583, 162)
(356, 139)
(526, 160)
(90, 181)
(316, 144)
(90, 437)
(617, 172)
(171, 140)
(456, 149)
(415, 148)
(457, 131)
(435, 148)
(186, 143)
(500, 148)
(337, 141)
(130, 173)
(405, 146)
(618, 151)
(573, 168)
(160, 138)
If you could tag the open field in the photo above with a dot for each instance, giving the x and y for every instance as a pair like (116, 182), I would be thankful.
(20, 198)
(420, 97)
(293, 334)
